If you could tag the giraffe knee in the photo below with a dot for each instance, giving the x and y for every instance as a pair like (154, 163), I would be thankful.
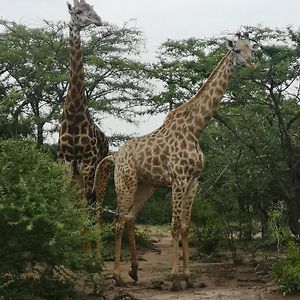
(119, 226)
(130, 222)
(175, 229)
(184, 230)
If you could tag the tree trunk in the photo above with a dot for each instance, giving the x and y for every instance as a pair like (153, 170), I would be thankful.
(294, 215)
(264, 226)
(40, 138)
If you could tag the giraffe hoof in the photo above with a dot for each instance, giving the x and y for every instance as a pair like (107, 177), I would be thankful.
(189, 283)
(176, 287)
(119, 282)
(133, 275)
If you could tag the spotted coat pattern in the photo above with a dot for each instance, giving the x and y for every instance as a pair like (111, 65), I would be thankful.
(81, 143)
(170, 156)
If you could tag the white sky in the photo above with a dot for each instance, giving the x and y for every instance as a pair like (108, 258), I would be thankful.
(163, 19)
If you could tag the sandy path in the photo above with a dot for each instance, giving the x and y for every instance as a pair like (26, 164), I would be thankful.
(218, 281)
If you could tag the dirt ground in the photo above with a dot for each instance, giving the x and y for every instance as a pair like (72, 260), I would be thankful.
(218, 281)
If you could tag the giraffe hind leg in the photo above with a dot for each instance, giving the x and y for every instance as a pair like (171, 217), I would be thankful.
(132, 245)
(182, 198)
(90, 195)
(142, 194)
(126, 185)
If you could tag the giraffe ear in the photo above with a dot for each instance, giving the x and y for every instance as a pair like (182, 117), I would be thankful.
(69, 6)
(230, 44)
(256, 47)
(246, 35)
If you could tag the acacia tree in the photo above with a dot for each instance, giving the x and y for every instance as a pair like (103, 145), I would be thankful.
(34, 70)
(274, 90)
(257, 135)
(33, 67)
(181, 68)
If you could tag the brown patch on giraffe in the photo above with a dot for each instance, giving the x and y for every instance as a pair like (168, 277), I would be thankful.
(183, 145)
(76, 130)
(74, 80)
(156, 150)
(156, 170)
(155, 161)
(85, 140)
(214, 83)
(73, 92)
(219, 91)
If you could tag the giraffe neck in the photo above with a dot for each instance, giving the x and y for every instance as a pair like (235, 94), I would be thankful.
(198, 111)
(75, 99)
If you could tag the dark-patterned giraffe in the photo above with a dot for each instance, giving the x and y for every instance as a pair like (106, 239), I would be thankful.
(170, 156)
(81, 143)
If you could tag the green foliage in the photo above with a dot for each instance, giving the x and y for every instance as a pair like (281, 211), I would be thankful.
(34, 63)
(182, 68)
(157, 210)
(207, 228)
(40, 226)
(257, 128)
(108, 237)
(287, 271)
(279, 231)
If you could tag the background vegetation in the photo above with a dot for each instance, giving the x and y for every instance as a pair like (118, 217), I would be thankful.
(249, 190)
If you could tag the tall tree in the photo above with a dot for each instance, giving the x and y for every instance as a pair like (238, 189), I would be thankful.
(34, 66)
(260, 111)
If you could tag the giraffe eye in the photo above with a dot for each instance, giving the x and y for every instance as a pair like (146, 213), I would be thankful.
(237, 51)
(79, 12)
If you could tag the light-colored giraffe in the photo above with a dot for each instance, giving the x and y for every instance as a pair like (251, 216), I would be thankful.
(81, 143)
(170, 156)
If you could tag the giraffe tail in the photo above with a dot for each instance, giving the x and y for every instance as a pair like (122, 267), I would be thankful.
(101, 178)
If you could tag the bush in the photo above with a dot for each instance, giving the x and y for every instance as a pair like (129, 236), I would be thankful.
(206, 227)
(142, 240)
(158, 210)
(287, 271)
(40, 226)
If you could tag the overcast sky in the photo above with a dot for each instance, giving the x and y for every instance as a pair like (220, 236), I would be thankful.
(160, 20)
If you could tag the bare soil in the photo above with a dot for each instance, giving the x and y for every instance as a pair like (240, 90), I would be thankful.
(218, 281)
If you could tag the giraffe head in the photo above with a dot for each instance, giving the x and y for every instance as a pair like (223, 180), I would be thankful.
(242, 50)
(83, 14)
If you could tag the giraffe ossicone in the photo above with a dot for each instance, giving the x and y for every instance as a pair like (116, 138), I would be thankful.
(170, 156)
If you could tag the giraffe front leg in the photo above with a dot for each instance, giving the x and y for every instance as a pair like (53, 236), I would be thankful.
(186, 213)
(126, 186)
(185, 252)
(176, 221)
(176, 285)
(88, 173)
(97, 197)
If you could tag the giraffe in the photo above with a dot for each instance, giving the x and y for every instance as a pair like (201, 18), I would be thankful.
(170, 156)
(81, 143)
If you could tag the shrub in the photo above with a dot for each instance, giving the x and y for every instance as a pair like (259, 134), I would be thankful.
(206, 229)
(287, 271)
(279, 230)
(40, 226)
